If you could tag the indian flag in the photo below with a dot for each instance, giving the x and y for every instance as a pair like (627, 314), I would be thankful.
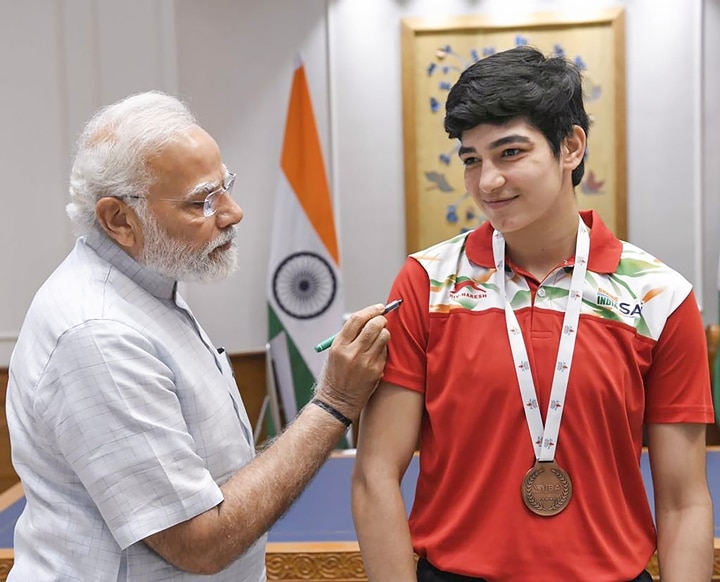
(305, 302)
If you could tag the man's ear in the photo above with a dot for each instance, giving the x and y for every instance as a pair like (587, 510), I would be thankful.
(573, 148)
(121, 224)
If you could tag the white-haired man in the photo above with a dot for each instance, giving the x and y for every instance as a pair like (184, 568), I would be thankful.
(135, 452)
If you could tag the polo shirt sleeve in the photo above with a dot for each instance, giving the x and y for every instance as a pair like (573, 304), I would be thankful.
(677, 385)
(108, 405)
(407, 360)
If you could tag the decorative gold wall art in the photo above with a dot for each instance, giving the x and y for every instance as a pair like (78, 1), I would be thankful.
(435, 53)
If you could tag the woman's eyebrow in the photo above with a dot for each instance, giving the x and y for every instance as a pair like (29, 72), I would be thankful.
(508, 139)
(503, 141)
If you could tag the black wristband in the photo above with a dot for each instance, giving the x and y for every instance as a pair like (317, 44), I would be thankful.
(329, 409)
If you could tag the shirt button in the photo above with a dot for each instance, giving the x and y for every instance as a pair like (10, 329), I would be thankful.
(541, 292)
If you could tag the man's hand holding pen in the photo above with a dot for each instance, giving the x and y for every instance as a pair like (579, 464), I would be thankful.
(325, 344)
(356, 360)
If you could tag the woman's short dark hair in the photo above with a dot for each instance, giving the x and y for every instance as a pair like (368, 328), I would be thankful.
(520, 83)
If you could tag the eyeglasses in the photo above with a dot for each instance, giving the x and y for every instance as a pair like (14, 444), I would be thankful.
(211, 203)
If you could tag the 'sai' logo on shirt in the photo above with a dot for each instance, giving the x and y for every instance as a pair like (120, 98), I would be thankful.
(607, 299)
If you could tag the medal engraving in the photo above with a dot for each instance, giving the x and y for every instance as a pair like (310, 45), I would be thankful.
(546, 489)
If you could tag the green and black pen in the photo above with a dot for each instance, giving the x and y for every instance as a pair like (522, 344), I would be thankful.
(322, 346)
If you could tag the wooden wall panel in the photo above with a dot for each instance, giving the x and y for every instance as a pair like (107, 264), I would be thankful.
(250, 377)
(8, 477)
(329, 562)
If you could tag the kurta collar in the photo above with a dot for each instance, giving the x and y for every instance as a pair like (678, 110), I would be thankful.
(152, 281)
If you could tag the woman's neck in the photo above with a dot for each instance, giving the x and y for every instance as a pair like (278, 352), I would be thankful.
(541, 247)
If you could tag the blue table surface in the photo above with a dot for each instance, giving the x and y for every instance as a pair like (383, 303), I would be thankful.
(322, 513)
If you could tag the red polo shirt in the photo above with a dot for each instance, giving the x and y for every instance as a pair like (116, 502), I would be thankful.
(640, 356)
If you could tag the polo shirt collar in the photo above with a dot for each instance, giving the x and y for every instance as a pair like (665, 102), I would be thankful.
(605, 247)
(152, 281)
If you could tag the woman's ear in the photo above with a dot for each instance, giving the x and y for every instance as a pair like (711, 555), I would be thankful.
(121, 224)
(573, 148)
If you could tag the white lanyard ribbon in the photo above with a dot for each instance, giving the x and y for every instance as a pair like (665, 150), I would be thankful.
(545, 438)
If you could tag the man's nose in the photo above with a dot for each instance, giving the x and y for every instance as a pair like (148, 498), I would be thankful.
(229, 212)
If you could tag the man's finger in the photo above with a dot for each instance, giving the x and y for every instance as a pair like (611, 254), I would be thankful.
(372, 333)
(356, 323)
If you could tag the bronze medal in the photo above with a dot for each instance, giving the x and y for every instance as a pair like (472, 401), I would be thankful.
(546, 489)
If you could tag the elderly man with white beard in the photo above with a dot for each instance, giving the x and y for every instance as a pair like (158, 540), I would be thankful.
(134, 449)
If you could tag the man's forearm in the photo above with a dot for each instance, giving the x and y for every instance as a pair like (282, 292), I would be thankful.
(277, 476)
(254, 498)
(685, 544)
